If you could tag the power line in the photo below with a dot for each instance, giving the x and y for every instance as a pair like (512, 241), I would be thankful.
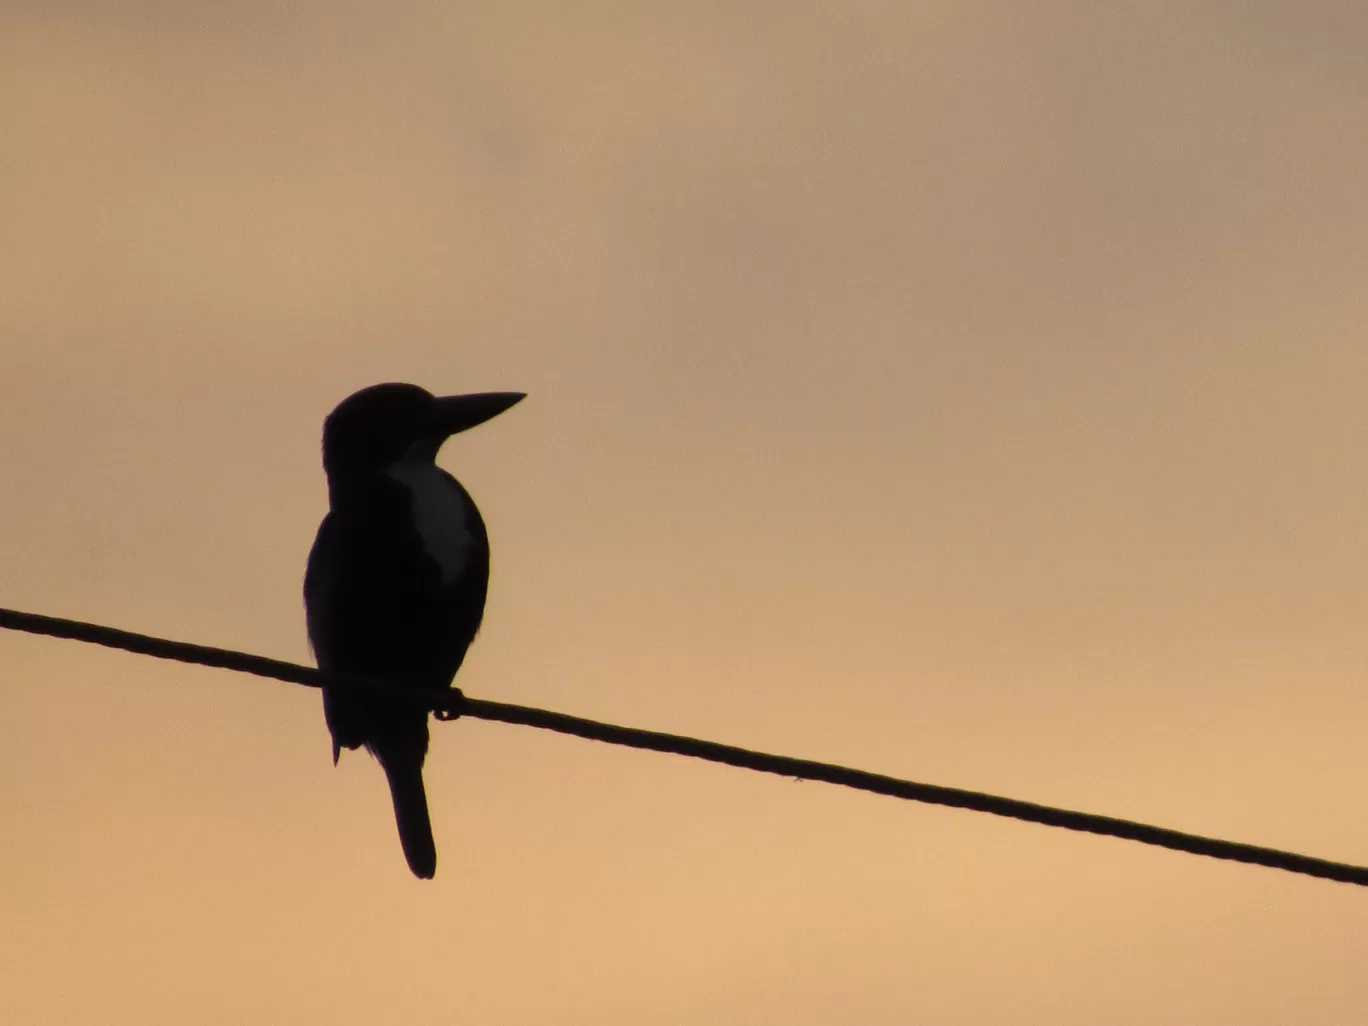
(450, 703)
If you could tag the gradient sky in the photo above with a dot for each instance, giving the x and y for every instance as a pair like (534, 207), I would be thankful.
(970, 392)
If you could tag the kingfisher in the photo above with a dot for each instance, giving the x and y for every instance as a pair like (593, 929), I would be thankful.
(395, 586)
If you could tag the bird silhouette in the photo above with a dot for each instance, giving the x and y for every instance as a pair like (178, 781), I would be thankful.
(396, 580)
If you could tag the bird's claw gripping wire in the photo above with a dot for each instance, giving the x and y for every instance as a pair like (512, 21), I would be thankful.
(453, 699)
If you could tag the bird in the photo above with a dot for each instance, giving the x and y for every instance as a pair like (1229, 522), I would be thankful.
(394, 589)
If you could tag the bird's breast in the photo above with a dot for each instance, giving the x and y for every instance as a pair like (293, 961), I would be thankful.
(440, 516)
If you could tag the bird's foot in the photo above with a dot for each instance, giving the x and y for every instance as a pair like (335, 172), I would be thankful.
(450, 709)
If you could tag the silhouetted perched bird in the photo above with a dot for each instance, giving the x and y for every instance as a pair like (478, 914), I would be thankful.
(395, 587)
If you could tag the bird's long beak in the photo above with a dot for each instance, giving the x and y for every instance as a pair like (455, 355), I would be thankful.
(454, 413)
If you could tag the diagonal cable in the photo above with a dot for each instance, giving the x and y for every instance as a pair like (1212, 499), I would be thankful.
(450, 703)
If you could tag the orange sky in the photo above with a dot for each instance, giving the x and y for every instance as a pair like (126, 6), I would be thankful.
(969, 392)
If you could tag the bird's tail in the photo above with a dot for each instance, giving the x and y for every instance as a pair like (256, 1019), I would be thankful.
(405, 777)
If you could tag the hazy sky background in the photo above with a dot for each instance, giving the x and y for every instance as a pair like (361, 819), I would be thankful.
(971, 392)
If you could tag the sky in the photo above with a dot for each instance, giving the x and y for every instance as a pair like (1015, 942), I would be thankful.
(969, 392)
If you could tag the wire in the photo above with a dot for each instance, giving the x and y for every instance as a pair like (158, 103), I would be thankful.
(451, 703)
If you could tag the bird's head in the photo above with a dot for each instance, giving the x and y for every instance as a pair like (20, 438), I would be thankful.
(377, 427)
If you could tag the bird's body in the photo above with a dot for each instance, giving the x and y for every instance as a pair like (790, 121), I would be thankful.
(396, 581)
